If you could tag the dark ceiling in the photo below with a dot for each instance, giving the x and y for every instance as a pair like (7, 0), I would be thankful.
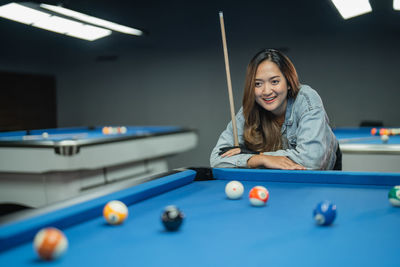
(193, 24)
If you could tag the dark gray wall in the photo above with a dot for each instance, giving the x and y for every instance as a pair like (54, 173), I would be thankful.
(176, 75)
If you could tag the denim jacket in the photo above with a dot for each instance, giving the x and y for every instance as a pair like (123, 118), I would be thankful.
(307, 137)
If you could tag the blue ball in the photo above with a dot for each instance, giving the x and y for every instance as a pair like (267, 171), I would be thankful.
(325, 213)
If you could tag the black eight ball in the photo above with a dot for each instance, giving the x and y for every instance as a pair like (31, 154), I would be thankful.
(172, 218)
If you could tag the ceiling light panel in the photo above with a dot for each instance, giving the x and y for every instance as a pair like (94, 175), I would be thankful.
(21, 13)
(352, 8)
(396, 4)
(92, 20)
(31, 16)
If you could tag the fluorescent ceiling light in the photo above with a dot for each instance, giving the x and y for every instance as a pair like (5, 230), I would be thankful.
(92, 20)
(352, 8)
(89, 32)
(33, 17)
(71, 28)
(396, 4)
(21, 13)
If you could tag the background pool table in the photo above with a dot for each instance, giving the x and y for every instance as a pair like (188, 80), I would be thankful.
(36, 171)
(364, 152)
(222, 232)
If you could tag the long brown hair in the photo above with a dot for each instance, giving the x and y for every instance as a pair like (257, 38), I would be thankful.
(262, 132)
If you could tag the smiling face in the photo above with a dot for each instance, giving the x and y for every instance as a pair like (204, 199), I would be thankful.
(271, 88)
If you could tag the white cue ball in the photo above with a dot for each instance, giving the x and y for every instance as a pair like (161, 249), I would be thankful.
(45, 135)
(385, 138)
(234, 189)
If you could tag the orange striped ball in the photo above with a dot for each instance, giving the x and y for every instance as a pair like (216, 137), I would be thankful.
(258, 196)
(50, 243)
(115, 212)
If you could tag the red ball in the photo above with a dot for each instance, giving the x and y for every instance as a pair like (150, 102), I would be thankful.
(258, 196)
(374, 131)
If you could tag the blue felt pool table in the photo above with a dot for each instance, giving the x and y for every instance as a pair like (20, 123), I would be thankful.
(221, 232)
(40, 167)
(363, 151)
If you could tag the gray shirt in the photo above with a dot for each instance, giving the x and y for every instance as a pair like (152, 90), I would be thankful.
(307, 137)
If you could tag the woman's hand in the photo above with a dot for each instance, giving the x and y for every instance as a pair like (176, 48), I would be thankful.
(231, 152)
(273, 162)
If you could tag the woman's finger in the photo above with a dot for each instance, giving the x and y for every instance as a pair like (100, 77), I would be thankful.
(231, 152)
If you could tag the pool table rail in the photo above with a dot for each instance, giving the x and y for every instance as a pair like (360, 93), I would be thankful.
(18, 232)
(322, 177)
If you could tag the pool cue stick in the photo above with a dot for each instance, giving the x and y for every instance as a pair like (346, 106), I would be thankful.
(228, 78)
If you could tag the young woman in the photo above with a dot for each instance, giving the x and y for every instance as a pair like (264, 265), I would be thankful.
(282, 123)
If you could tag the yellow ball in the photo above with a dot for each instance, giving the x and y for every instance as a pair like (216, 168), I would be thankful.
(115, 212)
